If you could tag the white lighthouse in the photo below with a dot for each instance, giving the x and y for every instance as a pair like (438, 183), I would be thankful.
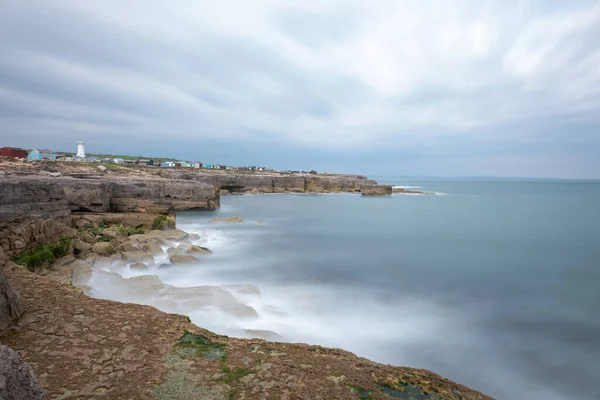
(80, 150)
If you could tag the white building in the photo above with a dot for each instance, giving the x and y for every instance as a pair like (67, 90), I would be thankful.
(80, 150)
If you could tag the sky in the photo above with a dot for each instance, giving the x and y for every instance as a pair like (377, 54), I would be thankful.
(387, 87)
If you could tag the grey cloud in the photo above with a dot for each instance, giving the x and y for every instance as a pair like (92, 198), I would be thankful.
(317, 82)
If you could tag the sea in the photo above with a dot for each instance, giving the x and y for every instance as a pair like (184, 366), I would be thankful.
(491, 283)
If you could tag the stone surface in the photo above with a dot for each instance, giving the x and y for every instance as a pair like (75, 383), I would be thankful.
(85, 348)
(138, 266)
(17, 380)
(193, 249)
(379, 190)
(137, 256)
(152, 248)
(175, 251)
(183, 259)
(10, 302)
(103, 248)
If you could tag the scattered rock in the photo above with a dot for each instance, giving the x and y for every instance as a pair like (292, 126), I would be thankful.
(138, 266)
(114, 233)
(137, 256)
(172, 251)
(198, 250)
(17, 380)
(183, 259)
(83, 224)
(101, 168)
(131, 246)
(234, 219)
(153, 248)
(103, 248)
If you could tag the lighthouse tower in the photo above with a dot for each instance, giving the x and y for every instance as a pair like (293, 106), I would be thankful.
(80, 150)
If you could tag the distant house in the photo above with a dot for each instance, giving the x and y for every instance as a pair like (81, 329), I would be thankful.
(207, 166)
(92, 159)
(168, 164)
(185, 164)
(145, 162)
(41, 154)
(107, 160)
(118, 161)
(13, 152)
(197, 164)
(129, 162)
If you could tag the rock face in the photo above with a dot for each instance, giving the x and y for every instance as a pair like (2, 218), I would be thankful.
(38, 209)
(17, 381)
(236, 183)
(379, 190)
(10, 303)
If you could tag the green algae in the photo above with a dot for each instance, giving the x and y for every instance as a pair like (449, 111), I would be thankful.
(198, 345)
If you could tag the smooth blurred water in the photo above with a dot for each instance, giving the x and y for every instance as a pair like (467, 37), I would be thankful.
(493, 284)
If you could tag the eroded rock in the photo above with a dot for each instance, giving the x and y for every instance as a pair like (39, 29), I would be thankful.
(17, 381)
(183, 259)
(103, 248)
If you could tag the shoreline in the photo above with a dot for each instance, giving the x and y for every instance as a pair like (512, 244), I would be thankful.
(87, 347)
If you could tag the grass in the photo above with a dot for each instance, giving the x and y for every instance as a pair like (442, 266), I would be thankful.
(44, 255)
(128, 230)
(203, 346)
(233, 375)
(160, 222)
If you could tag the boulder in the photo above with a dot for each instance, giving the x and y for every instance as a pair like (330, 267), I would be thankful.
(101, 168)
(172, 251)
(103, 248)
(183, 259)
(17, 380)
(131, 246)
(80, 245)
(114, 233)
(137, 256)
(138, 266)
(198, 250)
(83, 224)
(153, 248)
(81, 249)
(87, 237)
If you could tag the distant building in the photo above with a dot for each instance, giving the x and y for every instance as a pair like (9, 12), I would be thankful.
(41, 154)
(168, 164)
(118, 161)
(80, 150)
(197, 164)
(146, 162)
(13, 152)
(92, 159)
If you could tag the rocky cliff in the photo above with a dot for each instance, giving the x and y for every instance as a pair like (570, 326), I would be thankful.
(41, 209)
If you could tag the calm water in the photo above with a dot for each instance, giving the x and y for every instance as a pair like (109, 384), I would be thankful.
(493, 284)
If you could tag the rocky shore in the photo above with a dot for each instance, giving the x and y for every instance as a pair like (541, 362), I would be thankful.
(57, 231)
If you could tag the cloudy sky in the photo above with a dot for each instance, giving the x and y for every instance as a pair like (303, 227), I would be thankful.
(506, 88)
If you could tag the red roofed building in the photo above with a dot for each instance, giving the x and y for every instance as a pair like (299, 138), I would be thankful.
(13, 152)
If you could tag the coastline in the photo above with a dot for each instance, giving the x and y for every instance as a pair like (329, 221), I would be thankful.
(108, 347)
